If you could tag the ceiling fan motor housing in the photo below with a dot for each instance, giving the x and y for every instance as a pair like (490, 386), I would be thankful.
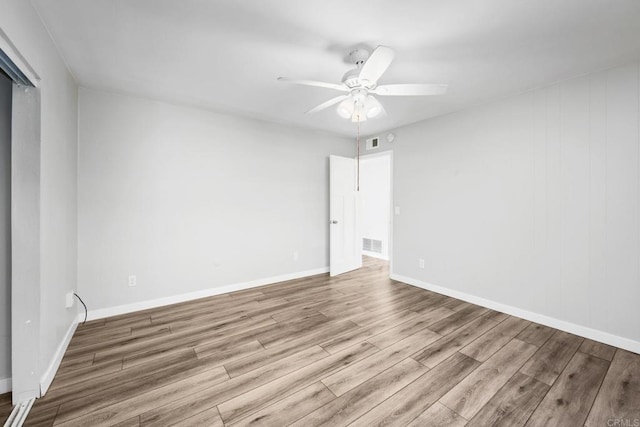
(352, 77)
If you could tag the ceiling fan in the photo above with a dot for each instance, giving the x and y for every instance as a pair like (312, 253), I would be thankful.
(361, 84)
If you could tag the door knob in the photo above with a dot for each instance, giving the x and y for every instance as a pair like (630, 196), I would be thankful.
(333, 222)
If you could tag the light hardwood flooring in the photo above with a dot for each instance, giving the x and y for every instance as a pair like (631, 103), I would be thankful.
(359, 349)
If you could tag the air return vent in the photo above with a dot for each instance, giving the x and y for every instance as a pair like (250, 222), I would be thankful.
(372, 245)
(372, 143)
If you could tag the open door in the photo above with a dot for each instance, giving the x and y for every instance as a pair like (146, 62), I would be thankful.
(345, 250)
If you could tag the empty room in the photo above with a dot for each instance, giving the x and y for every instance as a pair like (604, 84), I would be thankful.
(281, 212)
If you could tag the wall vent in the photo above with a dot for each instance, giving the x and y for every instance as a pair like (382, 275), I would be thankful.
(372, 245)
(372, 143)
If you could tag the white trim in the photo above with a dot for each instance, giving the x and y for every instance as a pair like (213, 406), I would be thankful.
(380, 153)
(144, 305)
(50, 373)
(375, 255)
(19, 413)
(5, 385)
(583, 331)
(12, 52)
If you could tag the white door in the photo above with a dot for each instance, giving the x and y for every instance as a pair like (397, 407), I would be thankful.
(345, 250)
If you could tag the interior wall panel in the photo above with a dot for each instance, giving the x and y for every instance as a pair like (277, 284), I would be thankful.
(531, 202)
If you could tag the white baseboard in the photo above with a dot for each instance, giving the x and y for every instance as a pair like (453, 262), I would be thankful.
(375, 255)
(583, 331)
(5, 385)
(50, 373)
(144, 305)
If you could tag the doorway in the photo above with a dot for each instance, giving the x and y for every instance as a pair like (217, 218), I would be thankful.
(376, 201)
(360, 221)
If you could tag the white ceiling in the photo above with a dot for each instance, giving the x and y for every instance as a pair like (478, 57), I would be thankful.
(225, 55)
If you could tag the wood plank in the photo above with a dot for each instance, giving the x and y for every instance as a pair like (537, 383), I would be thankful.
(70, 363)
(569, 400)
(348, 407)
(355, 336)
(349, 378)
(457, 320)
(440, 350)
(195, 401)
(291, 408)
(149, 349)
(231, 353)
(619, 396)
(256, 399)
(409, 327)
(5, 407)
(490, 342)
(313, 334)
(78, 390)
(131, 422)
(85, 374)
(472, 393)
(553, 356)
(121, 411)
(513, 404)
(438, 415)
(40, 415)
(496, 315)
(536, 334)
(597, 349)
(130, 389)
(209, 418)
(405, 405)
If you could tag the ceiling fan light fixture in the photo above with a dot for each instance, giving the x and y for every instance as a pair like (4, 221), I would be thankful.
(345, 108)
(373, 107)
(359, 112)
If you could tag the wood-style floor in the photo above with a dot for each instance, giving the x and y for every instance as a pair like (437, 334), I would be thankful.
(359, 349)
(5, 407)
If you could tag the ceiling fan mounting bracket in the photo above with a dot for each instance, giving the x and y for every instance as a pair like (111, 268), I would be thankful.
(359, 56)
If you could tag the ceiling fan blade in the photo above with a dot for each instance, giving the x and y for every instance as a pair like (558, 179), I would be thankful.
(327, 104)
(314, 83)
(410, 89)
(377, 64)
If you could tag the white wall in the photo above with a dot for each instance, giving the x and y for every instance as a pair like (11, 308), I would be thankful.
(188, 200)
(5, 229)
(532, 202)
(375, 194)
(58, 168)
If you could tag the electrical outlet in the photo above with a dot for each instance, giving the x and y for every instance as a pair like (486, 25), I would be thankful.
(296, 256)
(132, 281)
(69, 300)
(397, 210)
(421, 263)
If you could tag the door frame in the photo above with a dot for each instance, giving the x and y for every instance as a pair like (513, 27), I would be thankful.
(387, 153)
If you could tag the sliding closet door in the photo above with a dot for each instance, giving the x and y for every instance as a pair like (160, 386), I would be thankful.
(5, 234)
(25, 240)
